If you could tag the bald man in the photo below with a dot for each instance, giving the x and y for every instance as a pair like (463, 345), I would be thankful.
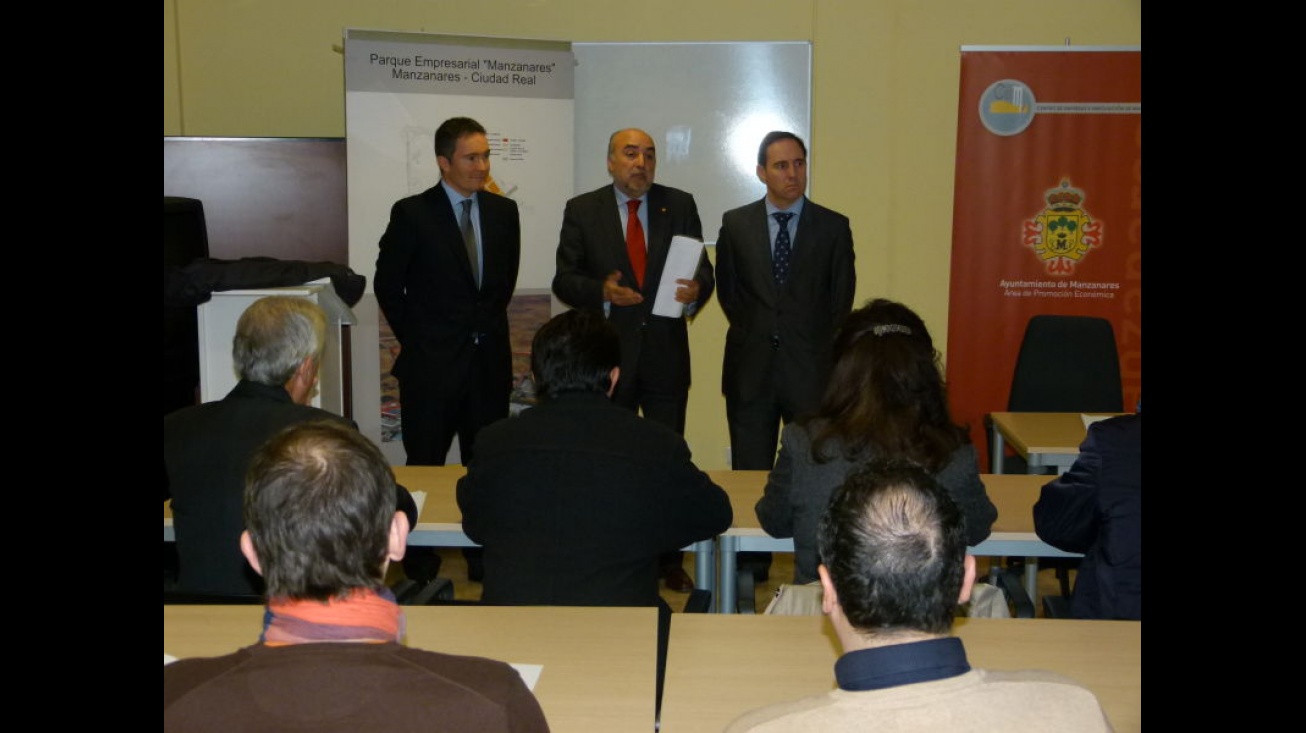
(598, 268)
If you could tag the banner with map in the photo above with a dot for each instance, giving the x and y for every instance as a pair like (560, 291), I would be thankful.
(399, 87)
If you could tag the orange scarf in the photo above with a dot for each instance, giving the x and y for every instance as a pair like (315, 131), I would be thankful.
(363, 615)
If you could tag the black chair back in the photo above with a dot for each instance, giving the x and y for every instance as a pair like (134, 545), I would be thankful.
(1067, 364)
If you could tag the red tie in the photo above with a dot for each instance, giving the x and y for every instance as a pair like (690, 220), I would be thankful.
(635, 241)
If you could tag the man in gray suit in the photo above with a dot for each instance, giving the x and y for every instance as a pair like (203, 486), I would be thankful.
(785, 279)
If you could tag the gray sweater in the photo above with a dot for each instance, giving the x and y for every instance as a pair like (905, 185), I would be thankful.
(798, 490)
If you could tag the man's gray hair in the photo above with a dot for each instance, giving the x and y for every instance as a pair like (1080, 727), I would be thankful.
(274, 336)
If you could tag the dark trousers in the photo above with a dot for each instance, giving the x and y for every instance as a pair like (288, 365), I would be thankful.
(430, 421)
(754, 435)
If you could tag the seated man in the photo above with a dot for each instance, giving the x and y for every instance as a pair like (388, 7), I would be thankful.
(322, 529)
(894, 567)
(1096, 508)
(278, 345)
(574, 500)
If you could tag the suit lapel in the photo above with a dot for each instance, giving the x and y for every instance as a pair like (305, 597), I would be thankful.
(659, 238)
(491, 261)
(803, 242)
(610, 222)
(759, 236)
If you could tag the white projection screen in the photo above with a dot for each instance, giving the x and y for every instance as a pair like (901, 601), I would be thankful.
(706, 105)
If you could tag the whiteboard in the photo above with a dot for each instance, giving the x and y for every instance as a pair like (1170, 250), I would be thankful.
(706, 106)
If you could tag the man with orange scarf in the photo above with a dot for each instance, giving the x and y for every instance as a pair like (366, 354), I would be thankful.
(321, 528)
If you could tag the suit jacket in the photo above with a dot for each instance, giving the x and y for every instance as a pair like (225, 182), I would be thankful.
(575, 499)
(593, 244)
(804, 314)
(425, 288)
(206, 450)
(1096, 508)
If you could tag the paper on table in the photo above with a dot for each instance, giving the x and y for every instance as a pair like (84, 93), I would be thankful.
(419, 497)
(530, 673)
(682, 262)
(1090, 419)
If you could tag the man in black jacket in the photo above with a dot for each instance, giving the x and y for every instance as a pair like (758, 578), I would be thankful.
(206, 448)
(1096, 507)
(576, 499)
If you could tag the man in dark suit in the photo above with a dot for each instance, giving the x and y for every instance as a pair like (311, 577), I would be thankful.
(782, 322)
(445, 273)
(612, 259)
(207, 448)
(574, 500)
(449, 308)
(785, 269)
(1096, 507)
(331, 656)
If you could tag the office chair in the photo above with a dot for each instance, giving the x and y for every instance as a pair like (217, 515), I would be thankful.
(1012, 586)
(435, 592)
(1056, 606)
(1065, 364)
(699, 601)
(185, 239)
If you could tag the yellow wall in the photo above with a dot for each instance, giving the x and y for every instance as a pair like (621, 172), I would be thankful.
(884, 103)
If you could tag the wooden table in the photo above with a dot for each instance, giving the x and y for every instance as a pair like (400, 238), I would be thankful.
(1043, 438)
(599, 664)
(440, 523)
(1012, 536)
(720, 666)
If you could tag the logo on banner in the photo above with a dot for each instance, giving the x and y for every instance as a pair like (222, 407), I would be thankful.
(1007, 107)
(1062, 234)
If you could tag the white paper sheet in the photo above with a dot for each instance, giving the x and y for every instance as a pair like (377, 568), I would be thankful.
(530, 673)
(1090, 419)
(419, 498)
(682, 262)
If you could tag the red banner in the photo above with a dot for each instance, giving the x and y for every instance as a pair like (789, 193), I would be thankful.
(1047, 217)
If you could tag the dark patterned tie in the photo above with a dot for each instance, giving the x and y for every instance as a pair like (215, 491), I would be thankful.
(783, 250)
(635, 247)
(469, 240)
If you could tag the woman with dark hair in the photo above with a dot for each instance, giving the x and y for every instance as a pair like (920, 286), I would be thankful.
(886, 397)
